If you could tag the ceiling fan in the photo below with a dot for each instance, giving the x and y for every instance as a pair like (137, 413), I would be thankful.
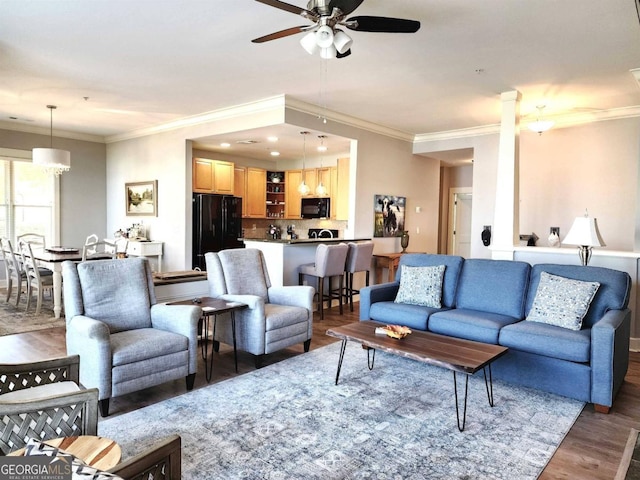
(324, 36)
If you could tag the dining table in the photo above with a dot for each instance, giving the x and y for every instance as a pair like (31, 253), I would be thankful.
(51, 258)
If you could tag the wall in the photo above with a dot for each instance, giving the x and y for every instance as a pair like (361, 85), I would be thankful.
(567, 170)
(450, 177)
(82, 190)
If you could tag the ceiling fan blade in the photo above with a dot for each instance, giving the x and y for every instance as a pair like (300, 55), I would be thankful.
(342, 55)
(280, 34)
(287, 7)
(345, 6)
(382, 24)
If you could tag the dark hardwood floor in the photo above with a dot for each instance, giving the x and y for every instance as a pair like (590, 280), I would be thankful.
(592, 449)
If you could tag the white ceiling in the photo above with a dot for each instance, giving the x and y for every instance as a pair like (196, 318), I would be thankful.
(142, 63)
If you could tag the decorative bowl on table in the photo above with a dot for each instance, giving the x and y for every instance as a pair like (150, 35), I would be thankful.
(394, 331)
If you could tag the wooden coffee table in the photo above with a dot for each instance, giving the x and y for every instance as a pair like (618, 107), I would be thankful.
(455, 354)
(99, 452)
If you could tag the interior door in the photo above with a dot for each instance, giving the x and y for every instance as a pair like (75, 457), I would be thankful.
(460, 208)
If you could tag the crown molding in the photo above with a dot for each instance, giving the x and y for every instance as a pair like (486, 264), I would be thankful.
(235, 111)
(20, 127)
(311, 109)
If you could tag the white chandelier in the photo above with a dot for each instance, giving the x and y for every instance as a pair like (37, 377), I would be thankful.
(540, 125)
(53, 160)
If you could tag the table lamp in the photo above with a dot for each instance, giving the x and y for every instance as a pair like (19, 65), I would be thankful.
(584, 233)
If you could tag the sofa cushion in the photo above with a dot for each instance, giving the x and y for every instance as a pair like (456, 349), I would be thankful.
(470, 324)
(613, 294)
(495, 286)
(452, 263)
(548, 340)
(421, 286)
(562, 301)
(412, 316)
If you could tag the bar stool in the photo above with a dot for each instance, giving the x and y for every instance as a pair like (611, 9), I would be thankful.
(358, 260)
(330, 262)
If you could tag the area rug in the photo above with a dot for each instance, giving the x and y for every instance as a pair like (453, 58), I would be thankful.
(290, 421)
(17, 320)
(629, 468)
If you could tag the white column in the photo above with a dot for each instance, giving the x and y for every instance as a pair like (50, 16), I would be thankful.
(506, 213)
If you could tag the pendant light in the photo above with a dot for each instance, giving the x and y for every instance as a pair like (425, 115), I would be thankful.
(540, 125)
(53, 160)
(303, 188)
(321, 190)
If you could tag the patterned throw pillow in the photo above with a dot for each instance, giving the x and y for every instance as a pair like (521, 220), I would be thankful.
(421, 286)
(79, 469)
(562, 301)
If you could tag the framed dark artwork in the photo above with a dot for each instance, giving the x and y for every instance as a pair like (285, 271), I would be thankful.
(388, 215)
(141, 198)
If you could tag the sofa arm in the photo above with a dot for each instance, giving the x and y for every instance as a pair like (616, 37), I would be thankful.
(180, 319)
(609, 356)
(384, 292)
(91, 339)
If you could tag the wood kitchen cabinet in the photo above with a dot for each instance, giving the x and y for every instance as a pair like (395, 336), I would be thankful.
(240, 186)
(213, 176)
(256, 193)
(292, 179)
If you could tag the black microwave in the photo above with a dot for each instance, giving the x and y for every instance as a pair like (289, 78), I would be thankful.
(315, 207)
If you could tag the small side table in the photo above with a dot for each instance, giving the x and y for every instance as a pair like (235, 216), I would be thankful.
(214, 307)
(99, 452)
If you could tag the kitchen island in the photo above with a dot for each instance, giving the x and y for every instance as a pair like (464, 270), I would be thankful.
(283, 256)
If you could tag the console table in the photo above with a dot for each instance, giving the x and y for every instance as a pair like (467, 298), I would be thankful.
(146, 249)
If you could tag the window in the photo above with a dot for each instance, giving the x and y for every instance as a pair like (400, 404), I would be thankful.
(27, 200)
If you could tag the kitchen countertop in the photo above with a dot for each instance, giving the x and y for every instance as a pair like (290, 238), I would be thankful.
(305, 241)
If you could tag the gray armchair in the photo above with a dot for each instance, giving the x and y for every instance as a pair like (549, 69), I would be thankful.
(277, 317)
(125, 340)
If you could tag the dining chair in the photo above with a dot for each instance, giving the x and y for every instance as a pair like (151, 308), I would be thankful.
(329, 263)
(100, 250)
(34, 280)
(35, 239)
(358, 260)
(13, 269)
(44, 400)
(93, 238)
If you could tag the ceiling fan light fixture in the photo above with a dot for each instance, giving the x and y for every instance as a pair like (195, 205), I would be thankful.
(308, 42)
(342, 41)
(324, 36)
(328, 53)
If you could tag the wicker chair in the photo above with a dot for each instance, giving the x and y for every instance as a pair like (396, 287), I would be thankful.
(161, 462)
(43, 400)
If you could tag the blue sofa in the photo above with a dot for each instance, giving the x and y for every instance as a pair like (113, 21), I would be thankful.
(490, 300)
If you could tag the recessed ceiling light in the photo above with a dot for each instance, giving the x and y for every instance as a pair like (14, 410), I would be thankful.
(274, 153)
(272, 139)
(225, 145)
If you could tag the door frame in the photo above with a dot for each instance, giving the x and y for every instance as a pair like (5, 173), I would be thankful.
(451, 220)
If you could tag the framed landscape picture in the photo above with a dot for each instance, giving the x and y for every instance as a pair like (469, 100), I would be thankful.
(141, 198)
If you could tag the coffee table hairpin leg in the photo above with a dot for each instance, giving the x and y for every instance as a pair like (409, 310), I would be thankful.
(488, 385)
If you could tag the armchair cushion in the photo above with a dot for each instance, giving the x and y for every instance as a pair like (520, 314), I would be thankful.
(143, 343)
(118, 296)
(244, 272)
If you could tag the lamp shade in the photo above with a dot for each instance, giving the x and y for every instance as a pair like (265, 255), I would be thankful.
(584, 232)
(342, 41)
(308, 42)
(52, 159)
(541, 125)
(324, 36)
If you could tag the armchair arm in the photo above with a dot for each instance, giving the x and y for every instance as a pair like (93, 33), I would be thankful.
(384, 292)
(26, 375)
(294, 295)
(91, 340)
(74, 413)
(609, 355)
(180, 319)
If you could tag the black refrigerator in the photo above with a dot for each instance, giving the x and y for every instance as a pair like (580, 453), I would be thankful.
(217, 225)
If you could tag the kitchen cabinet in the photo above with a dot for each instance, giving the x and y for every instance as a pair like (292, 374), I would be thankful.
(342, 190)
(240, 186)
(213, 176)
(292, 196)
(256, 193)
